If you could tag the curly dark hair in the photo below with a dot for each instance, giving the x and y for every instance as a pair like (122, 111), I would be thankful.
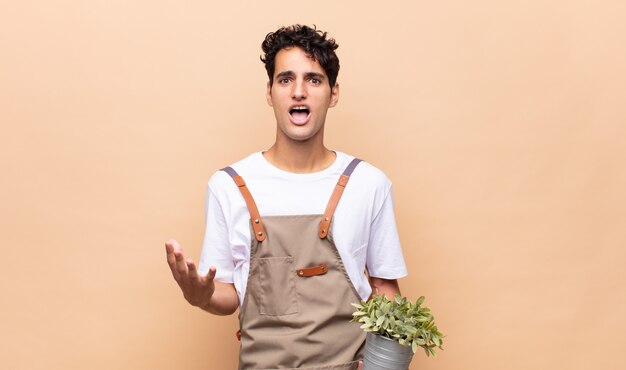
(311, 40)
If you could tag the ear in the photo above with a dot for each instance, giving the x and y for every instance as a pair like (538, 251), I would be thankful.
(268, 94)
(334, 95)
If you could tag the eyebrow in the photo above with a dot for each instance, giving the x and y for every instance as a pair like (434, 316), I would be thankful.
(307, 75)
(284, 74)
(317, 75)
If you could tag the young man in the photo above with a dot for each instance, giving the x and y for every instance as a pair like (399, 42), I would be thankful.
(291, 231)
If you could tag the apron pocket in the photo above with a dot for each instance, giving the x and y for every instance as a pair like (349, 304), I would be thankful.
(277, 295)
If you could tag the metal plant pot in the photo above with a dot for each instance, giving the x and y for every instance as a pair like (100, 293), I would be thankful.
(385, 354)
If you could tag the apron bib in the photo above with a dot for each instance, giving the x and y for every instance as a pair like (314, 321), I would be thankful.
(296, 312)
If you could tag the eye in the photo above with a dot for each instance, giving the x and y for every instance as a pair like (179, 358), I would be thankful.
(315, 81)
(284, 81)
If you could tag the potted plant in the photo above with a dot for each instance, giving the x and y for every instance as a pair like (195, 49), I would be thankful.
(395, 329)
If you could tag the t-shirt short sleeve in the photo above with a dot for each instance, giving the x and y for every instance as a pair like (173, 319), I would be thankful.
(216, 249)
(384, 254)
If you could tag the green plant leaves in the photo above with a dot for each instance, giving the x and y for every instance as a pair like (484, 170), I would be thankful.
(400, 319)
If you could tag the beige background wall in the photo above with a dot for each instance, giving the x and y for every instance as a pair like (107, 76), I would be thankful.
(501, 124)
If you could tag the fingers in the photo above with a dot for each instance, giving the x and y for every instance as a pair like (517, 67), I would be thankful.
(193, 272)
(181, 265)
(173, 246)
(176, 261)
(195, 288)
(170, 249)
(212, 272)
(360, 364)
(195, 278)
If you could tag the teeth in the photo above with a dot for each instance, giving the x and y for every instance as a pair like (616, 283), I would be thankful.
(300, 107)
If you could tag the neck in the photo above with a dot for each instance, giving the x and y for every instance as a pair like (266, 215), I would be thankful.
(300, 157)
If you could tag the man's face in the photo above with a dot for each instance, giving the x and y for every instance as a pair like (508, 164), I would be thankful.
(300, 95)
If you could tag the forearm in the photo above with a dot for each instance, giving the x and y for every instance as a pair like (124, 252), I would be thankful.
(386, 287)
(224, 300)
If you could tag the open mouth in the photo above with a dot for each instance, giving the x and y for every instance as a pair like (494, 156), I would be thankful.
(299, 114)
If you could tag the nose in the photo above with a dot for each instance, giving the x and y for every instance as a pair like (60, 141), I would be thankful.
(299, 90)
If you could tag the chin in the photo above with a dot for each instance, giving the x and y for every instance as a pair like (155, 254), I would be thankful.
(300, 138)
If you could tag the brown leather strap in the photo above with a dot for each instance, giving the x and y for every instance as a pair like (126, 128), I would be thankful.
(255, 217)
(313, 271)
(334, 198)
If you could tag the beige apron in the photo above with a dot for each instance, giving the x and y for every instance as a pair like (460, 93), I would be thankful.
(296, 311)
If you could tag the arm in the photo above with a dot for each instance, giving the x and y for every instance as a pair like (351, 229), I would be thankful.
(200, 291)
(384, 254)
(386, 287)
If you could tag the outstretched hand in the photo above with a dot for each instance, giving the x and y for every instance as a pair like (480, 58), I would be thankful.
(196, 289)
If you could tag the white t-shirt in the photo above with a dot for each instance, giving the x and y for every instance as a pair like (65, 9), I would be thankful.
(364, 227)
